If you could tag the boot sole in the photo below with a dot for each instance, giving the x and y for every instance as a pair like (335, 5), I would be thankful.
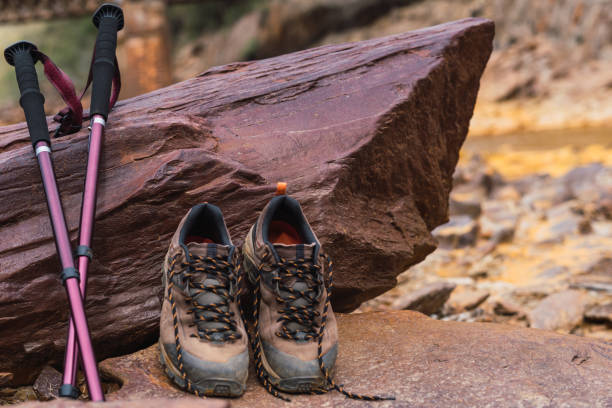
(213, 387)
(293, 385)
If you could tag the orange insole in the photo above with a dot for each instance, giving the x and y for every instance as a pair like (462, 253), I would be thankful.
(198, 240)
(281, 232)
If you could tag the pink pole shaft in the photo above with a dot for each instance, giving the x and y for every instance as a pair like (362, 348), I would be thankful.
(88, 210)
(62, 242)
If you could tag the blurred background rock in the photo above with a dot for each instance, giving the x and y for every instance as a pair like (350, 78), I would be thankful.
(529, 240)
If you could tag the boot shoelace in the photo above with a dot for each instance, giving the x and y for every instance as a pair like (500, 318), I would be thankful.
(299, 269)
(209, 267)
(304, 315)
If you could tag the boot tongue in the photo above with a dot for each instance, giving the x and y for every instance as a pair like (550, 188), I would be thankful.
(205, 297)
(293, 252)
(211, 250)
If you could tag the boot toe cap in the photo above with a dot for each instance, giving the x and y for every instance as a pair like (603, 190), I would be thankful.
(293, 374)
(208, 377)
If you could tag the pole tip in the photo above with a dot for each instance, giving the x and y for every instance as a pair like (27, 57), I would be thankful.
(69, 391)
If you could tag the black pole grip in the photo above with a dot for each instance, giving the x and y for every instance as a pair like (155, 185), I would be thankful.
(21, 55)
(108, 19)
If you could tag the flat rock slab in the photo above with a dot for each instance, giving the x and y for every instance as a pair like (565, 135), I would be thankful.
(185, 402)
(426, 363)
(366, 134)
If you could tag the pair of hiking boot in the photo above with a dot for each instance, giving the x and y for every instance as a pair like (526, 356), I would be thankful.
(203, 337)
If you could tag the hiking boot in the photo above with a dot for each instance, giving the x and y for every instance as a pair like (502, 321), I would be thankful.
(295, 338)
(203, 342)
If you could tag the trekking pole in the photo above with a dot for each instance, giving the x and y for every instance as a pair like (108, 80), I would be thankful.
(23, 56)
(108, 18)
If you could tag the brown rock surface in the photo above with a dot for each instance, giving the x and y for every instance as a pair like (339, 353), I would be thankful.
(366, 134)
(141, 376)
(428, 363)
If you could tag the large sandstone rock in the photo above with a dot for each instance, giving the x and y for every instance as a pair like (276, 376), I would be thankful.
(424, 363)
(366, 134)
